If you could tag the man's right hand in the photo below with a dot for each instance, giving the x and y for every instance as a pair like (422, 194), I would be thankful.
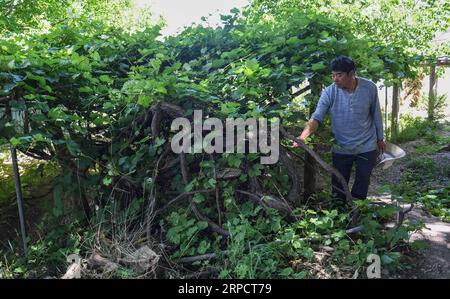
(311, 127)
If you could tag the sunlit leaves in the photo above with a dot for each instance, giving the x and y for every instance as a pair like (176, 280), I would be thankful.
(318, 66)
(144, 100)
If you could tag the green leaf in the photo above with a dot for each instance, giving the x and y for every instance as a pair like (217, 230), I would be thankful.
(201, 225)
(107, 181)
(199, 198)
(419, 245)
(15, 141)
(287, 272)
(159, 141)
(189, 187)
(234, 10)
(229, 108)
(234, 160)
(106, 79)
(73, 148)
(300, 275)
(20, 140)
(255, 170)
(108, 105)
(155, 63)
(144, 100)
(174, 236)
(38, 137)
(293, 41)
(252, 65)
(96, 56)
(161, 89)
(210, 184)
(57, 114)
(38, 78)
(387, 211)
(85, 89)
(203, 247)
(318, 66)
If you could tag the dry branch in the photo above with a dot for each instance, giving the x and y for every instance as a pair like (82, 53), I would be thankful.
(98, 261)
(269, 201)
(211, 224)
(401, 215)
(321, 162)
(172, 110)
(156, 120)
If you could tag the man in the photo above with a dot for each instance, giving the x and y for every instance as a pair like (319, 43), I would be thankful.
(356, 123)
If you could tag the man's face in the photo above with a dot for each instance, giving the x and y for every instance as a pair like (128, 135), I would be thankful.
(342, 79)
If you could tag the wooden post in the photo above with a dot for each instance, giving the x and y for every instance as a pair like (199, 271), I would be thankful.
(432, 92)
(395, 109)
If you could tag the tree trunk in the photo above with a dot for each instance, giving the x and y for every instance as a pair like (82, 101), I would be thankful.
(395, 109)
(432, 92)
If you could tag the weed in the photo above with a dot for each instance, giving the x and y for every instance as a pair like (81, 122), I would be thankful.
(437, 202)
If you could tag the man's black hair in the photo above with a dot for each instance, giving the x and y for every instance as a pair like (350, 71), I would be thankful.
(343, 64)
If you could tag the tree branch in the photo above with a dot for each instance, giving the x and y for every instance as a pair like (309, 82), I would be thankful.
(156, 120)
(401, 215)
(212, 225)
(321, 162)
(269, 201)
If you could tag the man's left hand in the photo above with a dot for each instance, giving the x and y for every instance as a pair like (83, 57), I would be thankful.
(381, 146)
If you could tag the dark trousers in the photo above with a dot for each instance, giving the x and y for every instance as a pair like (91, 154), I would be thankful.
(364, 166)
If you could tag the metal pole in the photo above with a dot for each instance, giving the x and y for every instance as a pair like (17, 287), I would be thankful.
(19, 200)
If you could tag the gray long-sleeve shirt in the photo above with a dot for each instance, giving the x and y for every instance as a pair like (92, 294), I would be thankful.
(355, 117)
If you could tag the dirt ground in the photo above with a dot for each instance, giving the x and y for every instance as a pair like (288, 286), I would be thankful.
(434, 261)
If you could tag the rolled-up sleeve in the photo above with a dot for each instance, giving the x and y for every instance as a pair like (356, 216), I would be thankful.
(376, 113)
(323, 106)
